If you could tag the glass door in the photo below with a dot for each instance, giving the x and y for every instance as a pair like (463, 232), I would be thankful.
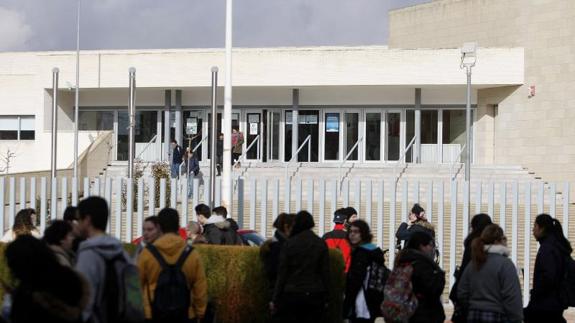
(274, 131)
(308, 126)
(351, 135)
(392, 135)
(144, 131)
(254, 131)
(373, 135)
(331, 136)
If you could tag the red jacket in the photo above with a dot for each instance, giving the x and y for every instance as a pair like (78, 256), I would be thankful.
(337, 239)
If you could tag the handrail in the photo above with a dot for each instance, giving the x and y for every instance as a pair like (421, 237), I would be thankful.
(147, 146)
(346, 158)
(402, 157)
(257, 139)
(456, 161)
(306, 141)
(189, 156)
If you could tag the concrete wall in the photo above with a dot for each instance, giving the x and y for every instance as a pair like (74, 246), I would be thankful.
(535, 132)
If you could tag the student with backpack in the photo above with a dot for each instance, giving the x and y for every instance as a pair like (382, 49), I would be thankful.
(172, 276)
(366, 277)
(113, 278)
(413, 289)
(337, 238)
(553, 264)
(489, 288)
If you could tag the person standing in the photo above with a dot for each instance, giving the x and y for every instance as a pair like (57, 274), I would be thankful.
(554, 250)
(151, 233)
(338, 239)
(417, 223)
(193, 169)
(237, 144)
(59, 237)
(478, 223)
(428, 280)
(302, 287)
(71, 216)
(361, 304)
(216, 229)
(24, 224)
(195, 235)
(97, 256)
(183, 298)
(219, 154)
(177, 158)
(489, 286)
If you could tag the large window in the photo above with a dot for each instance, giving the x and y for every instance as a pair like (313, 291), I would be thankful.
(17, 128)
(96, 120)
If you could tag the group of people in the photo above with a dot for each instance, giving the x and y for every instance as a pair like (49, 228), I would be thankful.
(190, 160)
(77, 273)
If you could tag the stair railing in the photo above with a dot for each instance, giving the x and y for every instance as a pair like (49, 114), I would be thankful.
(345, 160)
(294, 156)
(401, 159)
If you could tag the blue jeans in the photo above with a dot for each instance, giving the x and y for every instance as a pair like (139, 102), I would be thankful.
(175, 169)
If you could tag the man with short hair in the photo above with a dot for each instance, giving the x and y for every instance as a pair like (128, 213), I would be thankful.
(177, 158)
(337, 238)
(216, 229)
(171, 249)
(151, 233)
(94, 254)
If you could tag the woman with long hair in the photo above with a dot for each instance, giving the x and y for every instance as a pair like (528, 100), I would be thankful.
(478, 223)
(554, 248)
(24, 224)
(489, 287)
(417, 222)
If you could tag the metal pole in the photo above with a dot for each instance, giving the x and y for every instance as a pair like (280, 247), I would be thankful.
(227, 117)
(468, 128)
(77, 93)
(132, 112)
(295, 124)
(214, 136)
(55, 74)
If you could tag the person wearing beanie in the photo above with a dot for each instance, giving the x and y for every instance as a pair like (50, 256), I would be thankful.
(337, 238)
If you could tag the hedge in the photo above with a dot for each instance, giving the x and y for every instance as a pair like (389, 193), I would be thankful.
(237, 285)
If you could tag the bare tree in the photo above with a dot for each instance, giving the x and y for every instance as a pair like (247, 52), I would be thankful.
(6, 159)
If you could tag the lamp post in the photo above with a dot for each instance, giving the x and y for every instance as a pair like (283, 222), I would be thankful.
(77, 92)
(54, 133)
(468, 60)
(132, 124)
(214, 136)
(227, 117)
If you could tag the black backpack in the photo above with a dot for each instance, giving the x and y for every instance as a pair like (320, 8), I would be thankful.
(172, 295)
(567, 287)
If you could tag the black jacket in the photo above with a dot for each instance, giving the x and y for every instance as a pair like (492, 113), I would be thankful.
(221, 233)
(405, 231)
(270, 254)
(428, 282)
(547, 275)
(361, 258)
(304, 266)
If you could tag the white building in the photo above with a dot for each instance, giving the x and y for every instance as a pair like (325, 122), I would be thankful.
(342, 95)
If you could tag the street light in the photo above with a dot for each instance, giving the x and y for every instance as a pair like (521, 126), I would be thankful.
(76, 103)
(227, 117)
(468, 60)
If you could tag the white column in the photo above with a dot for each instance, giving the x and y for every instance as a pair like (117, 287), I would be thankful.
(227, 117)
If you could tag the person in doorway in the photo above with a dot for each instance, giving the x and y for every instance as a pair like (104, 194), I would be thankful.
(177, 158)
(237, 144)
(417, 223)
(24, 224)
(338, 239)
(161, 302)
(554, 249)
(361, 304)
(489, 288)
(96, 256)
(59, 237)
(152, 232)
(303, 282)
(478, 223)
(428, 280)
(219, 154)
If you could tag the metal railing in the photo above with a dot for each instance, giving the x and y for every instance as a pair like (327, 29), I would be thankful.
(294, 156)
(153, 140)
(189, 156)
(456, 161)
(402, 158)
(245, 152)
(346, 158)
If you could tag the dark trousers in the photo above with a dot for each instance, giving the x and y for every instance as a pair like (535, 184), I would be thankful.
(301, 308)
(536, 316)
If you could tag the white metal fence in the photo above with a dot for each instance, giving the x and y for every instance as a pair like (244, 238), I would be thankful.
(257, 201)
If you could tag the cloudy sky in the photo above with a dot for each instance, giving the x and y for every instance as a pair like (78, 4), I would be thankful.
(119, 24)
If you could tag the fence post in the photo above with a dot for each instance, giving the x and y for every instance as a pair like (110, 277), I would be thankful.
(276, 198)
(108, 197)
(12, 201)
(368, 206)
(346, 193)
(321, 207)
(118, 216)
(75, 191)
(86, 187)
(64, 197)
(253, 206)
(174, 193)
(32, 193)
(466, 207)
(129, 209)
(264, 208)
(151, 196)
(298, 194)
(140, 224)
(514, 223)
(310, 196)
(552, 199)
(416, 192)
(566, 209)
(478, 198)
(452, 233)
(440, 221)
(357, 197)
(429, 206)
(54, 198)
(380, 204)
(392, 214)
(22, 193)
(162, 193)
(527, 248)
(240, 202)
(404, 199)
(184, 199)
(491, 199)
(541, 197)
(2, 204)
(502, 205)
(43, 203)
(96, 190)
(287, 193)
(333, 200)
(196, 193)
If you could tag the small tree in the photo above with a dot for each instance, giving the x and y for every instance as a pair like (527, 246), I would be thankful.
(6, 159)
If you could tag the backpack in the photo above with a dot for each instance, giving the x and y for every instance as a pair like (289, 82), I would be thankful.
(172, 295)
(567, 287)
(121, 300)
(377, 275)
(399, 302)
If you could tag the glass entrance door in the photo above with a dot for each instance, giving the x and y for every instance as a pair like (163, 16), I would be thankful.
(253, 133)
(351, 135)
(308, 125)
(274, 130)
(372, 138)
(392, 135)
(145, 129)
(331, 135)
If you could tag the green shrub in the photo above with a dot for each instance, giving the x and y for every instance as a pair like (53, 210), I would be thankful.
(237, 284)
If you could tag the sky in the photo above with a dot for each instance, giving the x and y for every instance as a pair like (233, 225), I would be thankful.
(130, 24)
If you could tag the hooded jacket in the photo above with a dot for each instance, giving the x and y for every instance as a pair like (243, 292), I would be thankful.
(494, 287)
(59, 302)
(337, 239)
(218, 231)
(547, 275)
(92, 256)
(428, 282)
(171, 247)
(361, 258)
